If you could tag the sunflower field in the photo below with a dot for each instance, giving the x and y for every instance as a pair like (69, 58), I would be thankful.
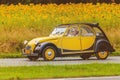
(24, 22)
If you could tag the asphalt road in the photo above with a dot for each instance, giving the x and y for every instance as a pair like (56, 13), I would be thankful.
(57, 61)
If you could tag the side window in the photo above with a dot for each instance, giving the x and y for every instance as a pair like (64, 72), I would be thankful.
(98, 32)
(73, 31)
(86, 31)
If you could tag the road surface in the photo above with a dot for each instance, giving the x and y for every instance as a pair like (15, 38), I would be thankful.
(87, 78)
(57, 61)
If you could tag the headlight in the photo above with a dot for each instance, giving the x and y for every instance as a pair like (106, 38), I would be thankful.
(36, 42)
(25, 42)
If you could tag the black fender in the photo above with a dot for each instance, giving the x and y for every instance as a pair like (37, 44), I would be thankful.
(105, 42)
(39, 48)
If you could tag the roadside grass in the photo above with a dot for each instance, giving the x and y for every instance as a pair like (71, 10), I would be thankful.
(62, 71)
(115, 54)
(11, 55)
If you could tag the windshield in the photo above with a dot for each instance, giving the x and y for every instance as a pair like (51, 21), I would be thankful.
(59, 31)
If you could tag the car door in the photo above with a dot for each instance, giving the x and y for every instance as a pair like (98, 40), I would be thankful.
(71, 41)
(87, 36)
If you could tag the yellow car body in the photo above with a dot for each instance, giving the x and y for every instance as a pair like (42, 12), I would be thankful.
(69, 39)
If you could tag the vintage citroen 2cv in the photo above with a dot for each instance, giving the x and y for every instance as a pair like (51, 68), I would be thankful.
(83, 39)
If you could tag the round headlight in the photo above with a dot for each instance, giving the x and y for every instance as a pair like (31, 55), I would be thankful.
(25, 42)
(36, 42)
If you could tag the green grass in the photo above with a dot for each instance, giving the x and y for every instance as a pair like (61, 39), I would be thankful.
(11, 55)
(115, 54)
(63, 71)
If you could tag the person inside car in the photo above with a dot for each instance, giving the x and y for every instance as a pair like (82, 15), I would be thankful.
(73, 32)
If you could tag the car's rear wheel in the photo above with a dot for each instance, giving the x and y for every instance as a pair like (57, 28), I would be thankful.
(103, 51)
(85, 56)
(33, 58)
(102, 55)
(49, 53)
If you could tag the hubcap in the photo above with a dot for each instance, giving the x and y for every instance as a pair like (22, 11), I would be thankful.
(49, 54)
(103, 54)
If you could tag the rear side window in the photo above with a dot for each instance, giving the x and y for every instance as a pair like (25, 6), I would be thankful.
(98, 32)
(86, 31)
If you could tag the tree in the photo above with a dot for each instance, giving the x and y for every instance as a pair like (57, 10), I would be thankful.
(113, 1)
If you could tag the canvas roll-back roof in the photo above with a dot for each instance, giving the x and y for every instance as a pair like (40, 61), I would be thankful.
(89, 24)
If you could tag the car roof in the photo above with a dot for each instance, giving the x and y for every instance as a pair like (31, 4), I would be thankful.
(90, 24)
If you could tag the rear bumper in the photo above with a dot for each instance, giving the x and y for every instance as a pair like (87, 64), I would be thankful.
(113, 50)
(30, 54)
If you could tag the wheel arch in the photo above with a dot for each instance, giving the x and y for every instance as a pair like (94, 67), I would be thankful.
(103, 42)
(40, 47)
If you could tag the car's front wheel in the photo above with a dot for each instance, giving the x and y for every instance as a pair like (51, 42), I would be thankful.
(49, 53)
(85, 56)
(33, 58)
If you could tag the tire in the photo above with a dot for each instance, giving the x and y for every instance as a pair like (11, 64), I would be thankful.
(49, 53)
(33, 58)
(103, 51)
(85, 56)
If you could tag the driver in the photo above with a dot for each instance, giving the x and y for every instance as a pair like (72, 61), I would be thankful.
(73, 31)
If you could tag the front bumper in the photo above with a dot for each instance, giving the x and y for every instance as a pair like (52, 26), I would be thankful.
(28, 53)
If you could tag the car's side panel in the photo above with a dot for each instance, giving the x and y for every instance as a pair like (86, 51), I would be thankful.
(87, 42)
(71, 44)
(87, 37)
